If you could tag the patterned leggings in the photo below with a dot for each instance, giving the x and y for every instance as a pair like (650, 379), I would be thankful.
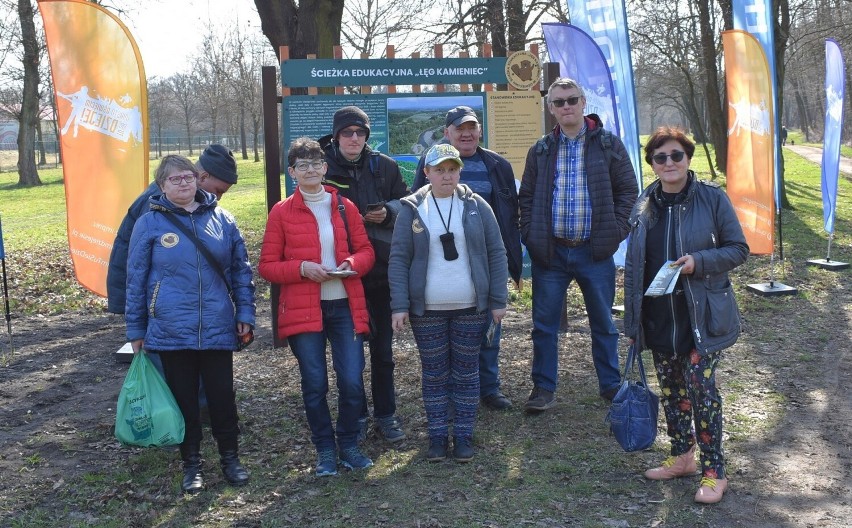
(690, 397)
(449, 344)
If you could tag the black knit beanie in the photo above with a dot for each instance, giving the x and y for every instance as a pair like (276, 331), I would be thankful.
(348, 116)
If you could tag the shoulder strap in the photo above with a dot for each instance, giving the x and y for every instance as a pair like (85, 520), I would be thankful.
(342, 210)
(200, 246)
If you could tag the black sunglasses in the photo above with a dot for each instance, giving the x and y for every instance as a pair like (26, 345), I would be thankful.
(660, 159)
(559, 103)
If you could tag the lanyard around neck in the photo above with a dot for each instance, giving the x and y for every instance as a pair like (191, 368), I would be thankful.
(449, 217)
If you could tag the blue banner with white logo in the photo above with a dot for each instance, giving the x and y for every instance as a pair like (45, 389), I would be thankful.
(582, 60)
(606, 23)
(834, 91)
(755, 17)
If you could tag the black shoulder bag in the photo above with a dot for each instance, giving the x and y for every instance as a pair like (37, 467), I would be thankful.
(244, 340)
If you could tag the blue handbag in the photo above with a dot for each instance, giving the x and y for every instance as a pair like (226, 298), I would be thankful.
(632, 417)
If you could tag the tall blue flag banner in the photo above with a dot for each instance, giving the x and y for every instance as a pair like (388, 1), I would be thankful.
(834, 92)
(581, 59)
(606, 22)
(755, 17)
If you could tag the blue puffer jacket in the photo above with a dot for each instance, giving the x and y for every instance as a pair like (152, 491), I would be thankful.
(175, 299)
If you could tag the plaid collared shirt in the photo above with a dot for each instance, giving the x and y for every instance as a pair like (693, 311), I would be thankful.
(572, 205)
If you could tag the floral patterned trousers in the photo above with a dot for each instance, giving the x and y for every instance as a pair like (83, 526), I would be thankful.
(690, 398)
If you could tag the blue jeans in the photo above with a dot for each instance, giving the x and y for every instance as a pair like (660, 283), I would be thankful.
(489, 377)
(347, 358)
(597, 283)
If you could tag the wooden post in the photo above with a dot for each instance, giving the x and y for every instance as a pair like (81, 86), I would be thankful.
(391, 54)
(439, 54)
(415, 88)
(272, 166)
(312, 90)
(338, 54)
(464, 87)
(284, 54)
(486, 52)
(366, 89)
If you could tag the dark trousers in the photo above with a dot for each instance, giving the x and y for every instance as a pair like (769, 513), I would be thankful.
(183, 369)
(381, 352)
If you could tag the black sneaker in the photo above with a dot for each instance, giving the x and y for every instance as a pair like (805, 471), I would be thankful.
(391, 429)
(437, 449)
(540, 400)
(463, 449)
(497, 401)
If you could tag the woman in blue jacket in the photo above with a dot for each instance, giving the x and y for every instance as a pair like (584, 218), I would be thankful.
(692, 223)
(190, 309)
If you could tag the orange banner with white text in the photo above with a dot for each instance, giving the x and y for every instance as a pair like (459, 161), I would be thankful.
(102, 102)
(750, 139)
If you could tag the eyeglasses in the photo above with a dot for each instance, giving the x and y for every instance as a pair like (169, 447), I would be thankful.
(661, 158)
(303, 166)
(360, 132)
(177, 178)
(559, 103)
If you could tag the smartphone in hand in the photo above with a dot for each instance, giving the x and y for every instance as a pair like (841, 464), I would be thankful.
(375, 206)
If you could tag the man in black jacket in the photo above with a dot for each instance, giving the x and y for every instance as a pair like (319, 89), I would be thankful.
(489, 175)
(373, 182)
(576, 196)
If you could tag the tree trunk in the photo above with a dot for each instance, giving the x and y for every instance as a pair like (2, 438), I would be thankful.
(781, 18)
(28, 118)
(313, 26)
(717, 111)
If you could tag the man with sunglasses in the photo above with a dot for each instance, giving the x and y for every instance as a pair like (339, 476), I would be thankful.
(373, 182)
(489, 175)
(576, 196)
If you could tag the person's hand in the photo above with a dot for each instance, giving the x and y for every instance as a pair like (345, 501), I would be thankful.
(137, 345)
(376, 217)
(315, 272)
(498, 314)
(345, 266)
(688, 262)
(398, 321)
(243, 328)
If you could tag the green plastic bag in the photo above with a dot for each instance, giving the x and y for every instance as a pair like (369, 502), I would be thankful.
(147, 414)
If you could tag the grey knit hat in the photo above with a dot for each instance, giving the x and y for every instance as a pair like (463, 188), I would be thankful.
(220, 163)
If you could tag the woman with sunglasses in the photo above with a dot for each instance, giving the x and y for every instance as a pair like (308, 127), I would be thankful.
(191, 299)
(679, 221)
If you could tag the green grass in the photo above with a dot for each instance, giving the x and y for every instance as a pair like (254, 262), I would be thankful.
(559, 469)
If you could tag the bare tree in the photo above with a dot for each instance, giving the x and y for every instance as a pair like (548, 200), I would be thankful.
(183, 89)
(28, 118)
(312, 26)
(370, 25)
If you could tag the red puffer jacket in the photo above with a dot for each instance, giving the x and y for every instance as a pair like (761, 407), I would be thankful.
(292, 236)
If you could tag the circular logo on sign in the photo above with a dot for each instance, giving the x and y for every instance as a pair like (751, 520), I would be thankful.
(169, 240)
(523, 70)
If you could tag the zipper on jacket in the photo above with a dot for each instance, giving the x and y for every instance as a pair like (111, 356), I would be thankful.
(152, 307)
(198, 268)
(690, 299)
(671, 297)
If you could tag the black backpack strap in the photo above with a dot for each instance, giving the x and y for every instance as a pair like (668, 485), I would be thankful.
(200, 246)
(342, 210)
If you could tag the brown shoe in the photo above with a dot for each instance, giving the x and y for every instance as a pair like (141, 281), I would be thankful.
(711, 490)
(674, 467)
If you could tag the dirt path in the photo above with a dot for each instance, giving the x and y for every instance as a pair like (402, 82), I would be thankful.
(814, 154)
(788, 416)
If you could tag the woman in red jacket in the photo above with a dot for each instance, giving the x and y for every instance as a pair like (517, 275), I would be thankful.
(316, 248)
